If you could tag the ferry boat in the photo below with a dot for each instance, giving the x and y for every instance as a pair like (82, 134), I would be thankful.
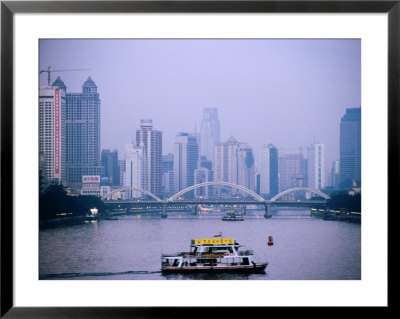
(232, 215)
(212, 255)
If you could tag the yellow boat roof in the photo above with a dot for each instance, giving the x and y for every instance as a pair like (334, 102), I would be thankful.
(214, 241)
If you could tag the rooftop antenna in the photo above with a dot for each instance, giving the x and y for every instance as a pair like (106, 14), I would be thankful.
(49, 71)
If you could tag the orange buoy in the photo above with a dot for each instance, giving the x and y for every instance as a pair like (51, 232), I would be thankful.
(270, 241)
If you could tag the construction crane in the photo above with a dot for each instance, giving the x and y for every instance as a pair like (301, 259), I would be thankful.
(49, 71)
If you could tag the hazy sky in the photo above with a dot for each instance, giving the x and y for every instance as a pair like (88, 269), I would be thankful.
(286, 92)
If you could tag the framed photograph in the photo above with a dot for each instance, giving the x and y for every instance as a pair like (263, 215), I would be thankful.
(160, 155)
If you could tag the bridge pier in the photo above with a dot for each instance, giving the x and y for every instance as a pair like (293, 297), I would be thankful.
(267, 211)
(195, 209)
(244, 209)
(164, 211)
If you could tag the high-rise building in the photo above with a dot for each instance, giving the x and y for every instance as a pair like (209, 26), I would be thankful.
(109, 160)
(234, 163)
(350, 148)
(135, 169)
(226, 161)
(292, 171)
(203, 175)
(121, 165)
(335, 174)
(316, 166)
(269, 183)
(152, 141)
(185, 160)
(168, 174)
(52, 105)
(245, 168)
(83, 133)
(258, 183)
(209, 132)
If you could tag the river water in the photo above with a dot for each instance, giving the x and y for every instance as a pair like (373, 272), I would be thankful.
(305, 248)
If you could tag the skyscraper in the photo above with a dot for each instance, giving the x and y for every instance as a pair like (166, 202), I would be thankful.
(209, 132)
(350, 148)
(226, 161)
(168, 174)
(121, 165)
(152, 141)
(245, 168)
(202, 175)
(269, 170)
(83, 133)
(135, 168)
(316, 166)
(234, 163)
(185, 160)
(52, 129)
(335, 174)
(292, 171)
(109, 160)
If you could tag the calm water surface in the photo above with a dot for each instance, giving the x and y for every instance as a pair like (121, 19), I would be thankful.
(130, 248)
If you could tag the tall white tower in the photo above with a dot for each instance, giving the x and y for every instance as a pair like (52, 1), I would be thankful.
(135, 169)
(152, 141)
(185, 160)
(315, 166)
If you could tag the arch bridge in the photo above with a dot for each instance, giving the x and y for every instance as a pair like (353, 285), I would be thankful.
(296, 189)
(257, 199)
(131, 189)
(239, 187)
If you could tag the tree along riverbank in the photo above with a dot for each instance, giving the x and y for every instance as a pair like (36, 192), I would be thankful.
(341, 206)
(55, 204)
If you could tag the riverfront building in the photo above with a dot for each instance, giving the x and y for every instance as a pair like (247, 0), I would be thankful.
(135, 169)
(245, 168)
(52, 104)
(350, 148)
(225, 161)
(316, 166)
(335, 175)
(209, 132)
(121, 165)
(109, 160)
(203, 175)
(186, 156)
(292, 171)
(168, 174)
(152, 141)
(234, 163)
(269, 183)
(83, 133)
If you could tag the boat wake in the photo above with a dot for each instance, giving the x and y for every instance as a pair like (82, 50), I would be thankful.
(95, 274)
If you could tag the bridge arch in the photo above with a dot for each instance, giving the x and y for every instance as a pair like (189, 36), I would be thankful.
(244, 189)
(306, 189)
(131, 189)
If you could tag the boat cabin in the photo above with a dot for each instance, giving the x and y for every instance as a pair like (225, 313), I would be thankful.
(210, 252)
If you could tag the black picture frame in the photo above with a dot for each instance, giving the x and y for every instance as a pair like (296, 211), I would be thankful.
(9, 8)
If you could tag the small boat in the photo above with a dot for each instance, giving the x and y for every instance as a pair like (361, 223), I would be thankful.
(232, 215)
(212, 255)
(270, 241)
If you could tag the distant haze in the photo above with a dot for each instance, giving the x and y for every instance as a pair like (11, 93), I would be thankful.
(286, 92)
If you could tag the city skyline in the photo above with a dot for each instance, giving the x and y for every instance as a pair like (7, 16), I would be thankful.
(286, 92)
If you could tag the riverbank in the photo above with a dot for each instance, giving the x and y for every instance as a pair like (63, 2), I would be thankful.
(77, 220)
(339, 215)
